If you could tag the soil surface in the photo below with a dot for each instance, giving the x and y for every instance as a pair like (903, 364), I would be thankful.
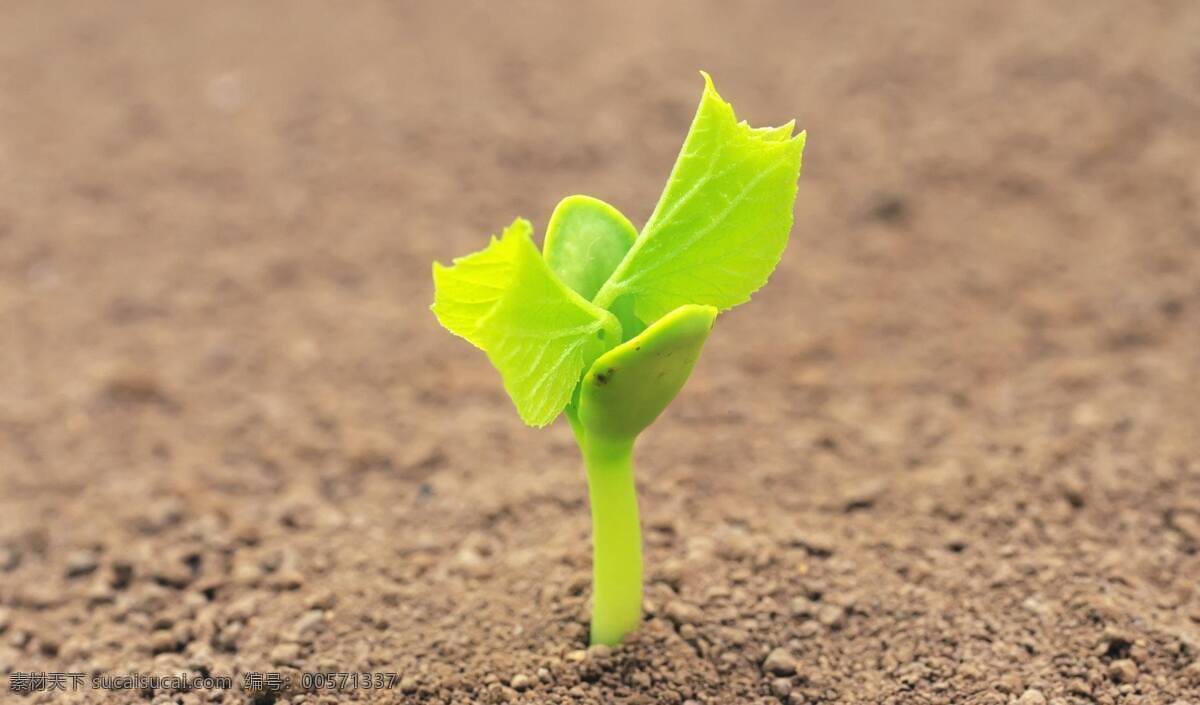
(951, 454)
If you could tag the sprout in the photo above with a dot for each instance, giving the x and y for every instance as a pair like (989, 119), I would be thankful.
(606, 324)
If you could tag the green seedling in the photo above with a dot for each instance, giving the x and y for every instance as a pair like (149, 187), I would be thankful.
(605, 323)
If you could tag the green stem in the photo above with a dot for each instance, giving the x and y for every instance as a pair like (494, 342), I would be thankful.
(616, 539)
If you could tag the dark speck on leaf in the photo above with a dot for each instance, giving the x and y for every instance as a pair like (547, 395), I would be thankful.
(601, 378)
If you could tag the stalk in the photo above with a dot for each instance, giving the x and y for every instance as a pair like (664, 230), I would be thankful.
(616, 539)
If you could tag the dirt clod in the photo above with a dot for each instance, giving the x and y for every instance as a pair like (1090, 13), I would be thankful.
(82, 562)
(831, 616)
(287, 654)
(779, 662)
(599, 652)
(682, 613)
(163, 641)
(1123, 671)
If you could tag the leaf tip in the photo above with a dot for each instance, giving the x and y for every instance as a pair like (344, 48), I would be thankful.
(710, 93)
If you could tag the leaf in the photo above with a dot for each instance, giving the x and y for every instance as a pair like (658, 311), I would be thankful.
(722, 222)
(630, 385)
(585, 241)
(536, 331)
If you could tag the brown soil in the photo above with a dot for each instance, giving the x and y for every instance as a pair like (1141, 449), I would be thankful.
(949, 455)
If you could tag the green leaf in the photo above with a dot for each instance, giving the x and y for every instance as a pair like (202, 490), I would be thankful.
(536, 331)
(722, 222)
(585, 241)
(630, 385)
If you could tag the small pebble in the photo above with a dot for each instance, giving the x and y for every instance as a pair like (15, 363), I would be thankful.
(1123, 671)
(520, 682)
(242, 609)
(81, 563)
(682, 613)
(99, 593)
(803, 608)
(781, 687)
(830, 616)
(246, 572)
(163, 641)
(285, 654)
(780, 662)
(172, 575)
(408, 684)
(1032, 696)
(600, 651)
(671, 572)
(312, 621)
(287, 580)
(323, 600)
(39, 597)
(544, 675)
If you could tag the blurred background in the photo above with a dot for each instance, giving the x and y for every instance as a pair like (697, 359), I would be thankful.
(965, 404)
